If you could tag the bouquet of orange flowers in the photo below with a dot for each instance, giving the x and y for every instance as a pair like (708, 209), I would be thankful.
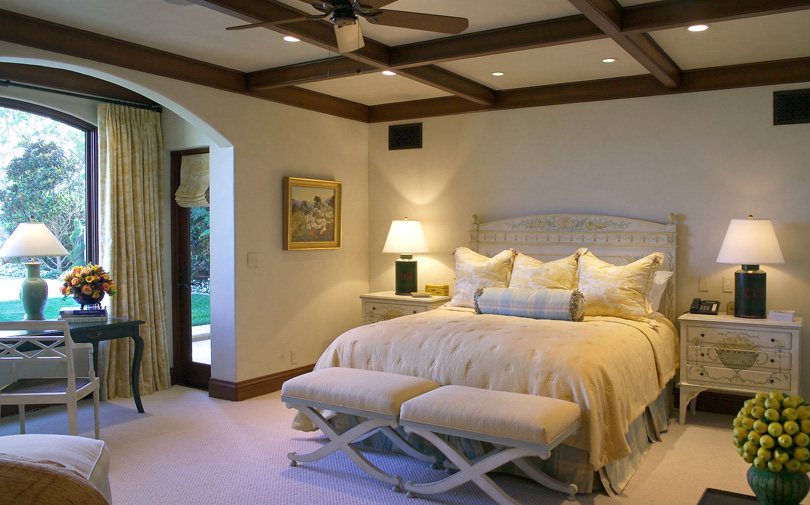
(87, 284)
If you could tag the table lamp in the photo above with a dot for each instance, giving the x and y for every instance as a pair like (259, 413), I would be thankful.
(405, 237)
(32, 240)
(750, 242)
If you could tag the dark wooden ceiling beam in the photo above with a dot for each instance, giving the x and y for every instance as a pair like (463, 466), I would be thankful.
(677, 13)
(330, 68)
(61, 39)
(65, 80)
(710, 79)
(607, 15)
(451, 83)
(500, 40)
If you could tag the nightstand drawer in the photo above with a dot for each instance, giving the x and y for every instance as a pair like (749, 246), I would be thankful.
(380, 311)
(707, 374)
(768, 359)
(749, 337)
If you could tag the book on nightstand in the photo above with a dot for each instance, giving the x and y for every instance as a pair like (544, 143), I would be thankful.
(781, 315)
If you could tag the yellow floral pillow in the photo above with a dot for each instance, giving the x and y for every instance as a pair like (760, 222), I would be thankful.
(531, 273)
(620, 291)
(474, 271)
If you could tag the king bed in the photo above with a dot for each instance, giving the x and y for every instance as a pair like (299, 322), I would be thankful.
(588, 320)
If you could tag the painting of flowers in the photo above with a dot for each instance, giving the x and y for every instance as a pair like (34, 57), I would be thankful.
(312, 214)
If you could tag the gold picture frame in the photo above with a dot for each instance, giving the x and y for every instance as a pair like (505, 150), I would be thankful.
(312, 214)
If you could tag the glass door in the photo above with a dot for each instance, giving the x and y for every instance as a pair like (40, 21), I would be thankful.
(191, 285)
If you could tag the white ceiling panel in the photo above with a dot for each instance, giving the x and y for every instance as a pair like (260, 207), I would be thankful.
(375, 89)
(482, 16)
(188, 30)
(548, 65)
(750, 40)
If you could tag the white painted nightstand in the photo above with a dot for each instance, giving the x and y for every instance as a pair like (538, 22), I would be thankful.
(737, 355)
(387, 305)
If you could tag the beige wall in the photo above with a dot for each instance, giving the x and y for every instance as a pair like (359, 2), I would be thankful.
(708, 157)
(297, 299)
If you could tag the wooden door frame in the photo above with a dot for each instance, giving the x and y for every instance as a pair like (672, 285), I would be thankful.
(185, 371)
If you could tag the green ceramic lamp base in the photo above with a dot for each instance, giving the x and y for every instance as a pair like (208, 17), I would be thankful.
(34, 294)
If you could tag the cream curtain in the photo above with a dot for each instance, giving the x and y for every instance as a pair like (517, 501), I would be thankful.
(131, 245)
(193, 190)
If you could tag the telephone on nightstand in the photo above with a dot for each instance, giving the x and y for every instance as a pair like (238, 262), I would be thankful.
(704, 307)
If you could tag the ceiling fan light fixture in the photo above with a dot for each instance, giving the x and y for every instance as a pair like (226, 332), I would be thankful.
(497, 74)
(290, 38)
(697, 28)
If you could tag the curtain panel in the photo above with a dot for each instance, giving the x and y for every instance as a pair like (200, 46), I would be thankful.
(131, 243)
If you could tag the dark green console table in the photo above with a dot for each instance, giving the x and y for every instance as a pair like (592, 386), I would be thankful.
(111, 329)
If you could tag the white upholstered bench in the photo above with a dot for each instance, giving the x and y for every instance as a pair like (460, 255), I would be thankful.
(518, 425)
(376, 396)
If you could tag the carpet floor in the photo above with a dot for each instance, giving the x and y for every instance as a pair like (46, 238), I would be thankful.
(191, 449)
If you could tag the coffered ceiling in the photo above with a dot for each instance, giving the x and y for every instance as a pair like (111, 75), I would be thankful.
(549, 51)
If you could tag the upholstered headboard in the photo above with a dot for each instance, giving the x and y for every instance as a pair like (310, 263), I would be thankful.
(617, 240)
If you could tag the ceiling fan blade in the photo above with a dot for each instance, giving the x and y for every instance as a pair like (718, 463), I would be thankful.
(373, 4)
(419, 21)
(275, 23)
(321, 6)
(349, 37)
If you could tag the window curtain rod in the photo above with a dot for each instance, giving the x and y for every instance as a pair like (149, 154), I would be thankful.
(8, 83)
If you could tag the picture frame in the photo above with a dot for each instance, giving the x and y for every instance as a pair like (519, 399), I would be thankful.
(313, 217)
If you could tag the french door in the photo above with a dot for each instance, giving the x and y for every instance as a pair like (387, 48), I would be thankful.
(190, 287)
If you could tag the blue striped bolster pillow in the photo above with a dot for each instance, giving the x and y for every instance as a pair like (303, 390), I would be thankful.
(560, 304)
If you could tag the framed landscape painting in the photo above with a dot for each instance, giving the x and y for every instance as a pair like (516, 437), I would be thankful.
(312, 214)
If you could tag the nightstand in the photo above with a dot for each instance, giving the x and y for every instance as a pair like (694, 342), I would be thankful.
(737, 355)
(387, 305)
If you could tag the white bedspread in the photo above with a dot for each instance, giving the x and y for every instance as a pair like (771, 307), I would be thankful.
(612, 368)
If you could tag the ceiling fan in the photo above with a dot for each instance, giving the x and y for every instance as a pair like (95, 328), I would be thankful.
(345, 14)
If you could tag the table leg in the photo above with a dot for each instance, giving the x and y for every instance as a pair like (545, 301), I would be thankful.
(95, 358)
(136, 371)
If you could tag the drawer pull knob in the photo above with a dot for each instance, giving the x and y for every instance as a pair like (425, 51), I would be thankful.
(773, 340)
(702, 335)
(702, 354)
(701, 374)
(773, 361)
(772, 381)
(414, 312)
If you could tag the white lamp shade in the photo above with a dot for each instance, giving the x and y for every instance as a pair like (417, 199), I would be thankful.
(32, 240)
(405, 237)
(750, 242)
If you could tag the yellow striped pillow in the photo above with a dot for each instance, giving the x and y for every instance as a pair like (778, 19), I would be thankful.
(531, 273)
(474, 271)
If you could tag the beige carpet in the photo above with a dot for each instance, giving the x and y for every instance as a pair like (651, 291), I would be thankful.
(190, 449)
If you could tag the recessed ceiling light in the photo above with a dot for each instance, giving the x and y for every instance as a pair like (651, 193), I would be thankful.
(609, 60)
(698, 28)
(290, 38)
(388, 72)
(497, 74)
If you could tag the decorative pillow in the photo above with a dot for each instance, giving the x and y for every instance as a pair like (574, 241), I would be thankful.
(475, 271)
(531, 273)
(660, 280)
(620, 291)
(561, 304)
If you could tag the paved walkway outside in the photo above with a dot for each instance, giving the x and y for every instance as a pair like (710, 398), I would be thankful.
(10, 288)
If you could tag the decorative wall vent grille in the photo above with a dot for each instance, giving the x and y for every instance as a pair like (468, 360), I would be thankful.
(405, 136)
(791, 107)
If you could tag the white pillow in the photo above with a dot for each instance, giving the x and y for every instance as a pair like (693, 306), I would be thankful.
(659, 286)
(474, 271)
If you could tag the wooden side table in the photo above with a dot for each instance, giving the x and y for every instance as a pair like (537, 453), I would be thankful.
(737, 355)
(386, 305)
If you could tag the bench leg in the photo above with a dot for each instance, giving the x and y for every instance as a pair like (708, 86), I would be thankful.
(469, 471)
(342, 442)
(546, 480)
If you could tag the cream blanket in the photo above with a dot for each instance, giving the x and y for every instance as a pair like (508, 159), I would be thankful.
(612, 368)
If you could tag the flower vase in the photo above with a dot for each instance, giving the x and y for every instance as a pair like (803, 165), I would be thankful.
(85, 300)
(783, 488)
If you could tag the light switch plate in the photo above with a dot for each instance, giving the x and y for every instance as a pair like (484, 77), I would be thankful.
(253, 260)
(703, 284)
(728, 286)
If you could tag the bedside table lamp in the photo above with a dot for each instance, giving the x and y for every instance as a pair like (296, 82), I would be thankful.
(32, 240)
(750, 242)
(405, 237)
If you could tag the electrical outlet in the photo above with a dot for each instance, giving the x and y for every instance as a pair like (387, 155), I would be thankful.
(253, 260)
(728, 286)
(293, 356)
(703, 284)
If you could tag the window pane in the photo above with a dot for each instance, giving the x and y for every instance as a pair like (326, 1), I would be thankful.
(42, 177)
